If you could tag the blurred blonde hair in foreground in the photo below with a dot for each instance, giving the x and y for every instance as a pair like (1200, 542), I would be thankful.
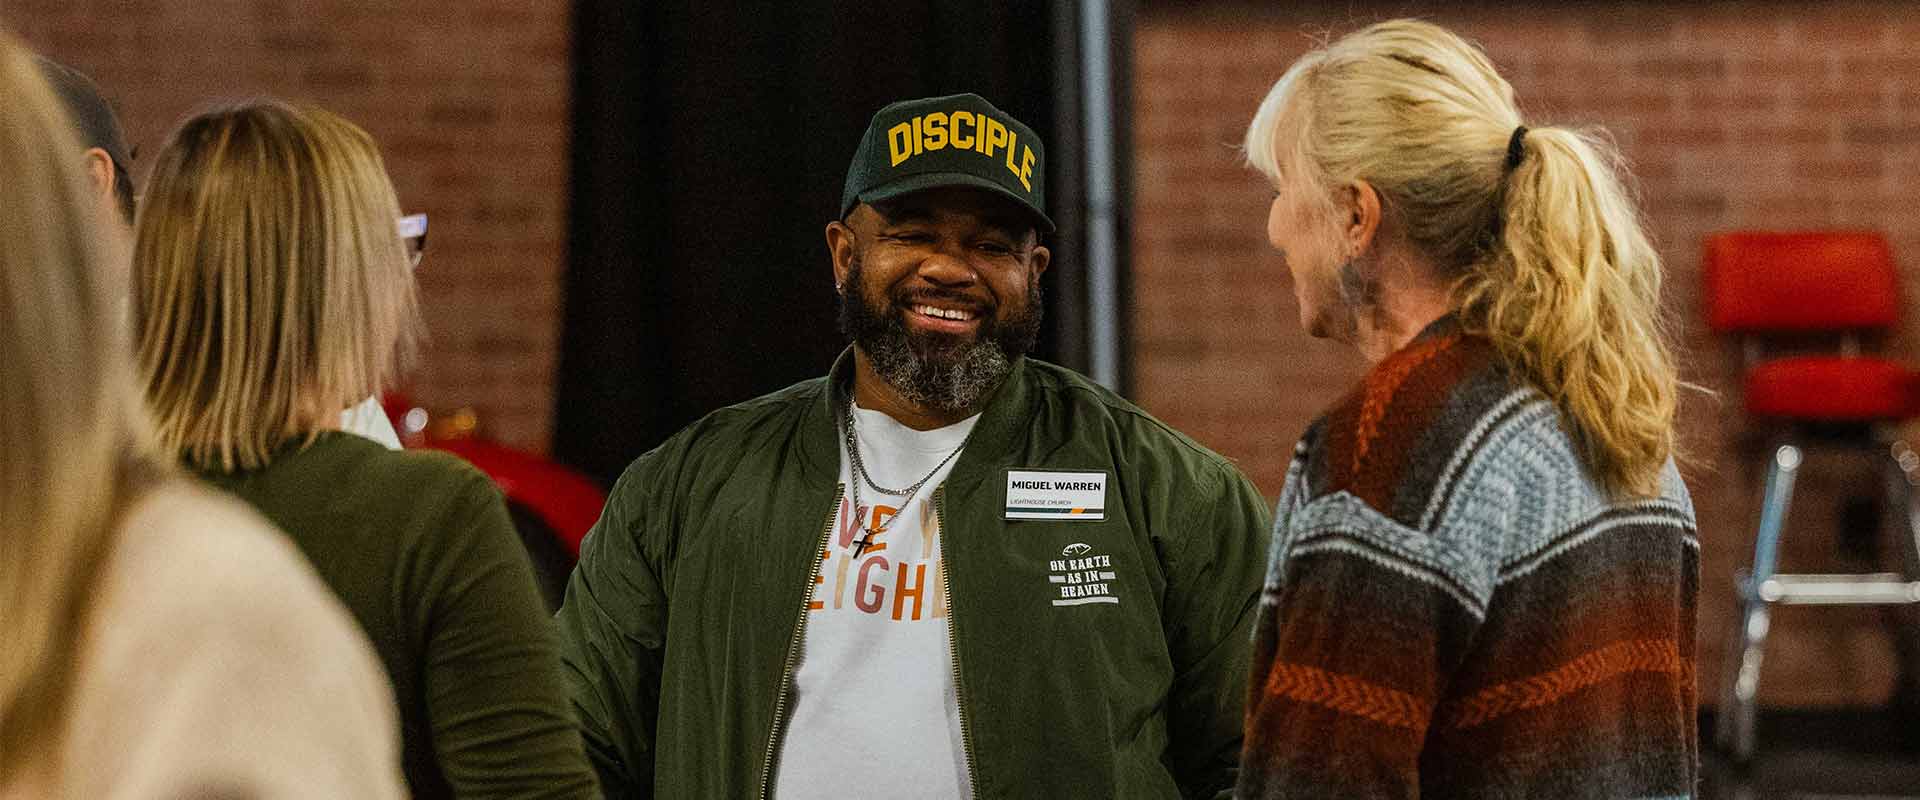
(1551, 261)
(272, 288)
(74, 451)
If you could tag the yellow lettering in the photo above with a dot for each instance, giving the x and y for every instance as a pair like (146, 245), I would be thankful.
(935, 131)
(899, 143)
(980, 139)
(1026, 169)
(916, 135)
(996, 136)
(1013, 140)
(901, 591)
(954, 121)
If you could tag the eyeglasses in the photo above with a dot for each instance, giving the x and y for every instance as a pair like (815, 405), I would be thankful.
(413, 231)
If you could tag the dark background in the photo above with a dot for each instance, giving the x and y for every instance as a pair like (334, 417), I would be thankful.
(711, 145)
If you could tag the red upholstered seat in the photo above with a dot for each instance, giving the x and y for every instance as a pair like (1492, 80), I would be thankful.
(1831, 388)
(1761, 283)
(1774, 282)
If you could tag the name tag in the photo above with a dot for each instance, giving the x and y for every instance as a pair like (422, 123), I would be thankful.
(1071, 496)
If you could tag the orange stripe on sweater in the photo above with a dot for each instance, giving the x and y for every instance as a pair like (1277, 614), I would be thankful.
(1383, 384)
(1347, 695)
(1593, 668)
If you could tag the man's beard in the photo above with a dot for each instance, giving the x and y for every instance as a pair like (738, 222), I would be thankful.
(949, 373)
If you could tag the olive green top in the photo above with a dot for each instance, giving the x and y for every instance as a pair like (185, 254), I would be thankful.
(419, 546)
(683, 619)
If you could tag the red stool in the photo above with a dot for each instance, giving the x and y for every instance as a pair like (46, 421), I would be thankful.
(1801, 285)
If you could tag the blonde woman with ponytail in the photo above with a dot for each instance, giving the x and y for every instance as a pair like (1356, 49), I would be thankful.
(1484, 565)
(155, 640)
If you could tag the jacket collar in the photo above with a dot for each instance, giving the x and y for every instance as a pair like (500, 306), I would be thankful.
(995, 437)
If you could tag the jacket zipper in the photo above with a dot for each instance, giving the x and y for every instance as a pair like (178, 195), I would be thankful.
(953, 650)
(774, 734)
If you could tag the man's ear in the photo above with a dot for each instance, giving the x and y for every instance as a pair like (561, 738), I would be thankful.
(1040, 260)
(840, 248)
(1361, 207)
(100, 172)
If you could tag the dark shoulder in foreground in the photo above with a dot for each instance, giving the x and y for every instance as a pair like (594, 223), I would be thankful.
(342, 492)
(375, 469)
(341, 477)
(1390, 438)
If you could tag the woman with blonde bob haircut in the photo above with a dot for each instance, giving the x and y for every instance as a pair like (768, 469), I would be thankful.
(1484, 565)
(159, 640)
(273, 292)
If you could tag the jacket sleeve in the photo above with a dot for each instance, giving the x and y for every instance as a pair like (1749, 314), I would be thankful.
(1212, 591)
(495, 699)
(613, 627)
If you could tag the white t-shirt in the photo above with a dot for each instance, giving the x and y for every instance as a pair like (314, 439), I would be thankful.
(368, 419)
(873, 709)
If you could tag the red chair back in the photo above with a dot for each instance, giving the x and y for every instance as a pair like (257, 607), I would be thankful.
(1808, 281)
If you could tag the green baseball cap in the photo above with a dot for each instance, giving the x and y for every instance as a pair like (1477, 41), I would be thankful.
(956, 140)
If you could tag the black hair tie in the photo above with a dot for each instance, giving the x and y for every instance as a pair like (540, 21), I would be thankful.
(1516, 147)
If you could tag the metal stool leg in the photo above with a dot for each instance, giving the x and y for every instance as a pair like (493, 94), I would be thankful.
(1905, 486)
(1740, 690)
(1740, 708)
(1903, 621)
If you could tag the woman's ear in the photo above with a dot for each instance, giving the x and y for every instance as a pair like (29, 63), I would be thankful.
(1361, 215)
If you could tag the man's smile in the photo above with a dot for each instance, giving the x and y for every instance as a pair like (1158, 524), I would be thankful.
(942, 317)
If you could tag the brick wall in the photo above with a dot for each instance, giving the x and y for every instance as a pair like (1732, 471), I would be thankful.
(469, 102)
(1733, 115)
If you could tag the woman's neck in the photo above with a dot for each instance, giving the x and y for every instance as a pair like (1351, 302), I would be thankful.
(1410, 299)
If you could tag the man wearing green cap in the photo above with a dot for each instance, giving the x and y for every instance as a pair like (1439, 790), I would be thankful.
(942, 570)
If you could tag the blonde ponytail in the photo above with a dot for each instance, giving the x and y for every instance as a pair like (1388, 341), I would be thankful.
(1548, 257)
(1571, 297)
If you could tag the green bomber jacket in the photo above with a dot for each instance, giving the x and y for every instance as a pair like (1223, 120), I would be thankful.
(682, 622)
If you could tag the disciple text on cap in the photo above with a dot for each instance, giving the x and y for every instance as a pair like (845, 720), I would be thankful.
(963, 130)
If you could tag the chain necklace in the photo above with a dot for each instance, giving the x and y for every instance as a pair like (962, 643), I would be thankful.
(860, 468)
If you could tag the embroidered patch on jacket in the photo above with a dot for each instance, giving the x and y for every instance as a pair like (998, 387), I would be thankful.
(1081, 576)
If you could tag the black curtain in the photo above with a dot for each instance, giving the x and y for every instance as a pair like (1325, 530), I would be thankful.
(710, 144)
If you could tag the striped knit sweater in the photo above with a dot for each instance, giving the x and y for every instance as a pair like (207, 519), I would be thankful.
(1455, 609)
